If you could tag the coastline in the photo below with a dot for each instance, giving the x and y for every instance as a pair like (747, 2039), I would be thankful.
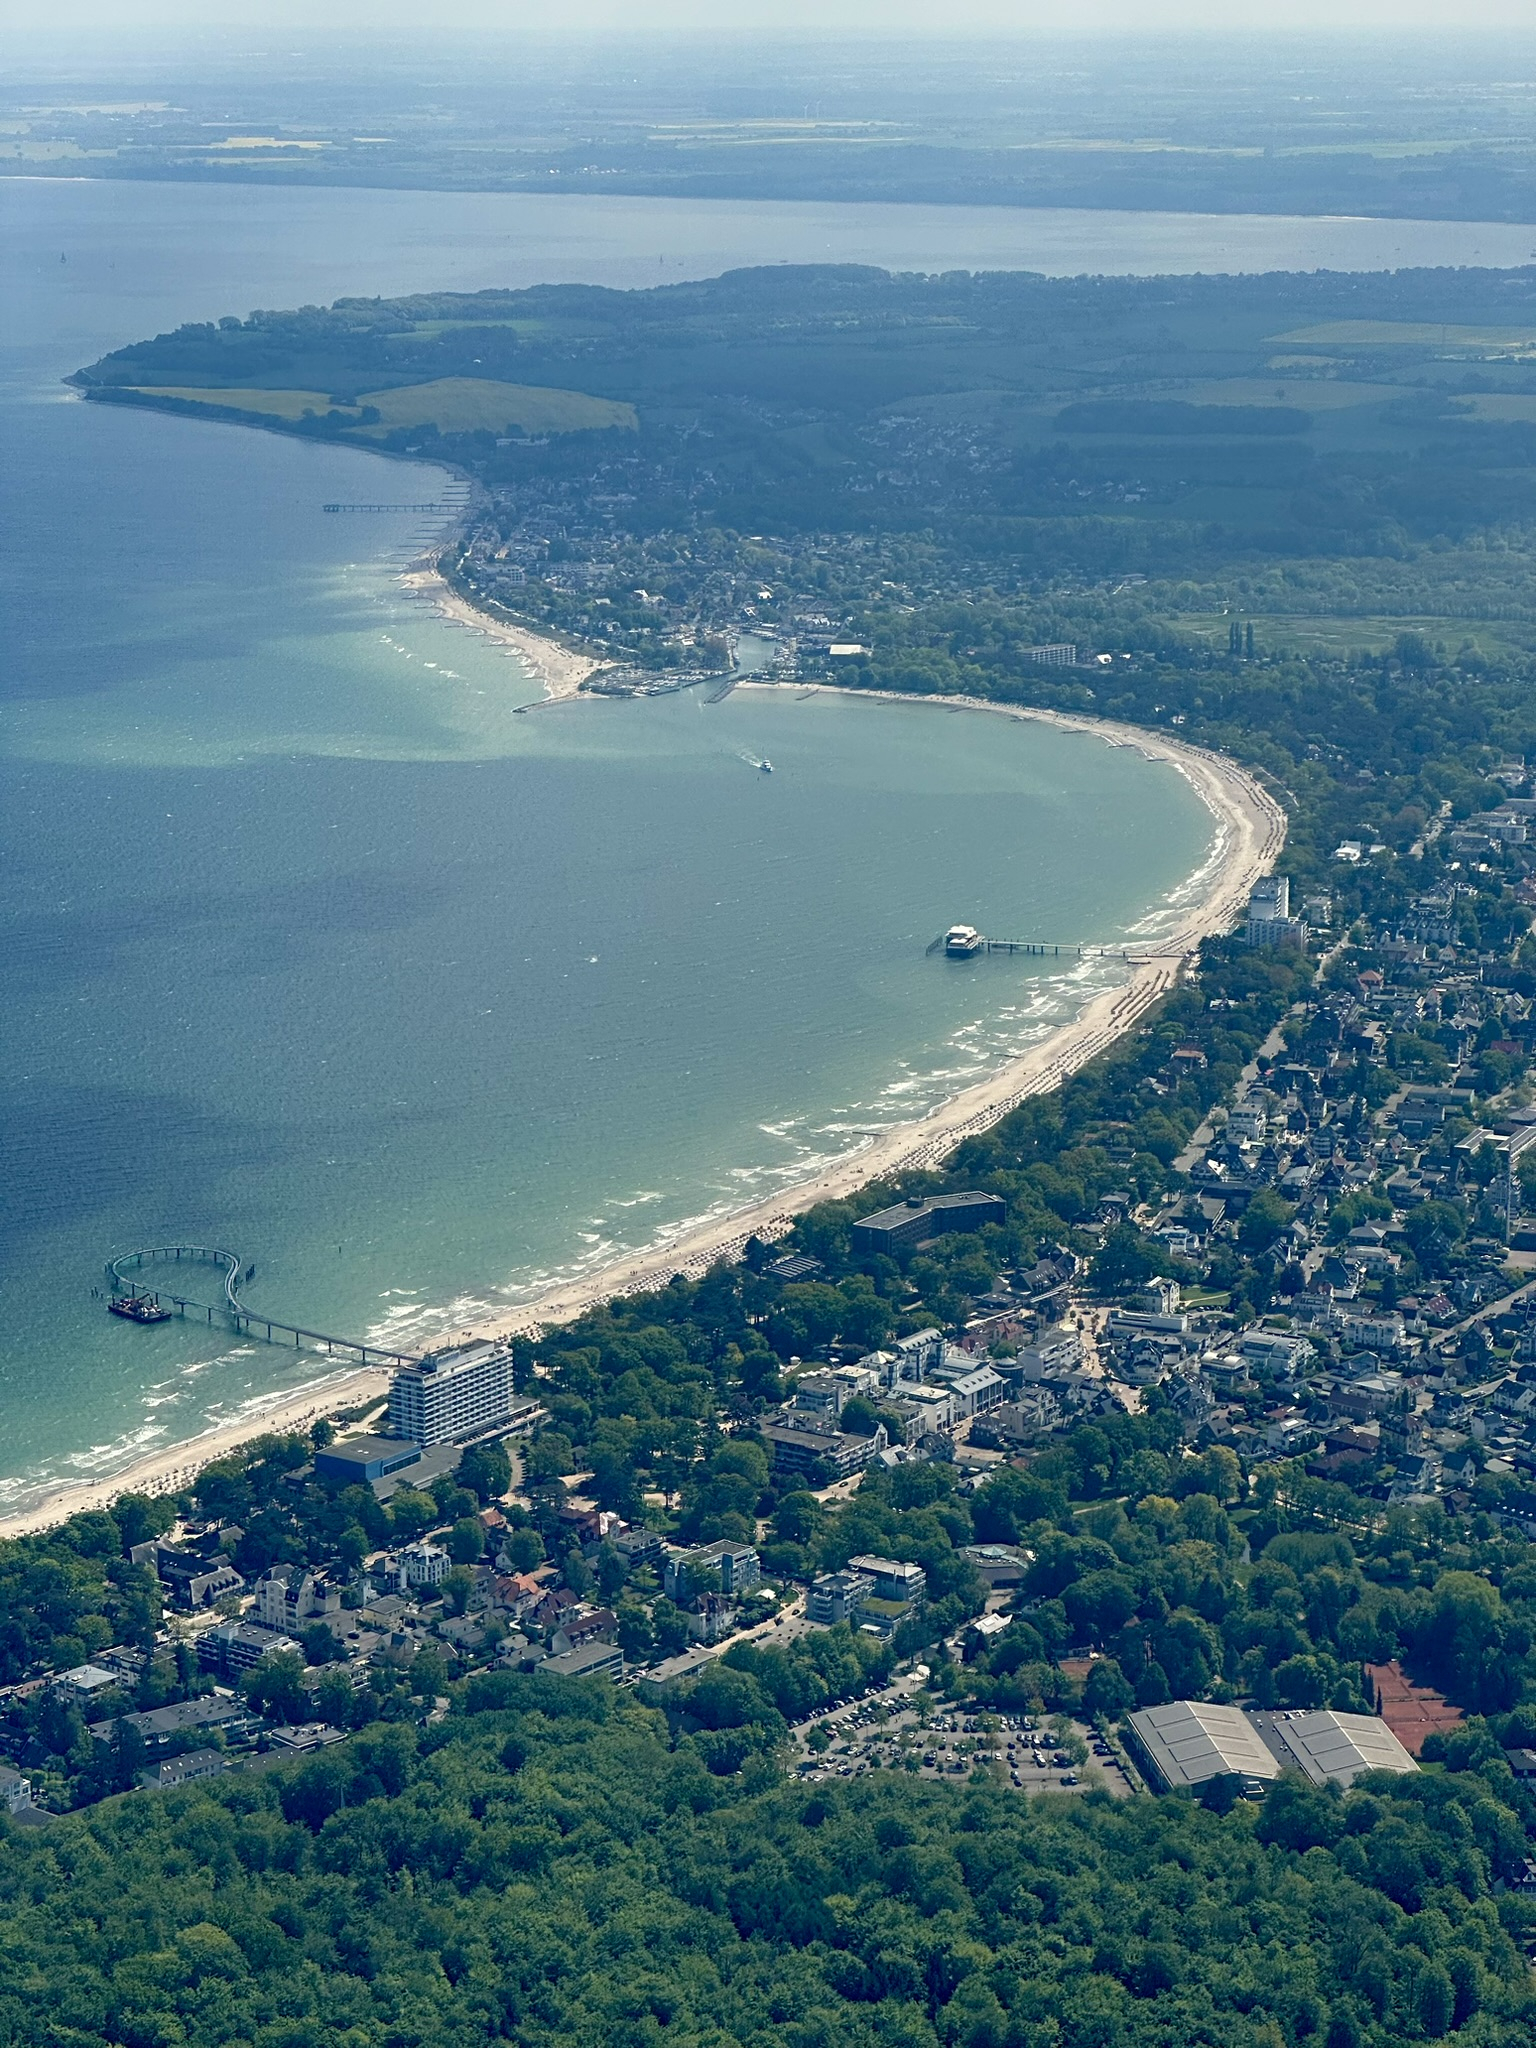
(172, 1467)
(562, 670)
(1250, 834)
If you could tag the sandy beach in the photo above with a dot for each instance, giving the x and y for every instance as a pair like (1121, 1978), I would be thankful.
(562, 670)
(170, 1469)
(1250, 831)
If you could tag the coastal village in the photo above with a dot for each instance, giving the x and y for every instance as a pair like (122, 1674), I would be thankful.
(1322, 1296)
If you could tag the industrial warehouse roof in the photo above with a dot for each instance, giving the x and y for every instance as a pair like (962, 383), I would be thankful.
(1190, 1742)
(1339, 1746)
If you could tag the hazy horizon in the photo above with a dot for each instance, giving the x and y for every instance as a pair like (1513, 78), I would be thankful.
(42, 22)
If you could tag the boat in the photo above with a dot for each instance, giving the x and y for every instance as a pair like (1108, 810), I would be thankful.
(139, 1308)
(961, 941)
(765, 767)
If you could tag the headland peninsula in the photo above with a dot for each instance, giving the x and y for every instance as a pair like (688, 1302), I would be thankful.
(1219, 510)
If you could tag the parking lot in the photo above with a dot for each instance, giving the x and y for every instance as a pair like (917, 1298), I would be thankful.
(893, 1731)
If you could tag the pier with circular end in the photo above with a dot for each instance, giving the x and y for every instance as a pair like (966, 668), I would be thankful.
(1040, 949)
(247, 1321)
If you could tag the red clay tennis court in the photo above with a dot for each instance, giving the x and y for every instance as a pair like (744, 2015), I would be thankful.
(1410, 1711)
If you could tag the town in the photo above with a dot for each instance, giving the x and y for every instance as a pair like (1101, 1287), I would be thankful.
(1297, 1290)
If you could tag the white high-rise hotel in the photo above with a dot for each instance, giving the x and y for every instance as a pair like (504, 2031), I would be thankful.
(452, 1394)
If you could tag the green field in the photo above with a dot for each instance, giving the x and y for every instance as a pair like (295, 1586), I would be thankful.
(1503, 405)
(454, 405)
(1495, 639)
(1309, 394)
(464, 405)
(1406, 334)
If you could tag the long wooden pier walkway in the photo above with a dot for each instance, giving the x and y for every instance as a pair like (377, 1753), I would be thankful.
(392, 508)
(1056, 949)
(267, 1328)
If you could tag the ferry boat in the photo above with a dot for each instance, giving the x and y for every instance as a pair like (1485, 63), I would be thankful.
(139, 1308)
(961, 941)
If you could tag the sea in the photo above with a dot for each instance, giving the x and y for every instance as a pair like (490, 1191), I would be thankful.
(314, 949)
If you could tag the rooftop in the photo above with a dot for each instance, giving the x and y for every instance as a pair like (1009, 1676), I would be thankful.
(1189, 1742)
(1326, 1745)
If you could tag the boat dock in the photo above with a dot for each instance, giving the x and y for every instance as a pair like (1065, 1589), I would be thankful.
(267, 1329)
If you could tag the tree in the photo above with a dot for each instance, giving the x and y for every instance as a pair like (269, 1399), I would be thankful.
(860, 1417)
(457, 1587)
(411, 1512)
(635, 1636)
(670, 1626)
(524, 1548)
(1265, 1217)
(1100, 1604)
(276, 1689)
(798, 1517)
(486, 1471)
(612, 1572)
(548, 1456)
(320, 1645)
(577, 1573)
(320, 1789)
(466, 1541)
(1127, 1259)
(1106, 1691)
(1431, 1229)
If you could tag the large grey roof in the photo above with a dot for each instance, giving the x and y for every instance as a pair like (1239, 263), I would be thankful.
(1190, 1742)
(1340, 1746)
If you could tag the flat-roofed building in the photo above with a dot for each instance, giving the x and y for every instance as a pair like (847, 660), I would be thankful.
(359, 1460)
(800, 1441)
(453, 1394)
(594, 1660)
(926, 1410)
(837, 1596)
(159, 1725)
(920, 1218)
(1324, 1745)
(891, 1580)
(236, 1646)
(1190, 1743)
(183, 1770)
(723, 1567)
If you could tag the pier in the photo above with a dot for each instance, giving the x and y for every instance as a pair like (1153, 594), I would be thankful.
(443, 510)
(247, 1321)
(1051, 949)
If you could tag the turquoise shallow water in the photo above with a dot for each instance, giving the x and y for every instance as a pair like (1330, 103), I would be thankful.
(313, 948)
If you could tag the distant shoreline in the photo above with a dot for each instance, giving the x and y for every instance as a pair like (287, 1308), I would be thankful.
(1251, 832)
